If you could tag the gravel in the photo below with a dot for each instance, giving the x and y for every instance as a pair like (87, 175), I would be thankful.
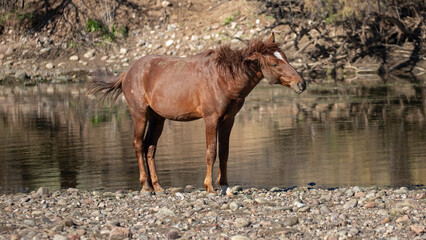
(189, 213)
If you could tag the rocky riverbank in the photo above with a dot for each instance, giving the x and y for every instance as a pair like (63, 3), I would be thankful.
(188, 213)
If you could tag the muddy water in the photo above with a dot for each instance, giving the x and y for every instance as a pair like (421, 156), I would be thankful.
(367, 131)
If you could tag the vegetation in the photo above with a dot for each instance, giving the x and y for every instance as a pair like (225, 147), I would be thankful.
(341, 32)
(231, 18)
(73, 18)
(98, 27)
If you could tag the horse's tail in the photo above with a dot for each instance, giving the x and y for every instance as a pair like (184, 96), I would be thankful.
(105, 81)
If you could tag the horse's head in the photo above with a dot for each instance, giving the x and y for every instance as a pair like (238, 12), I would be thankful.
(277, 70)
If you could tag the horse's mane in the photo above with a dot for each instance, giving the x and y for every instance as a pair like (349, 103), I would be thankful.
(232, 61)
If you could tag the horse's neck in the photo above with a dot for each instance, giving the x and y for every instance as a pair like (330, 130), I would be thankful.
(241, 86)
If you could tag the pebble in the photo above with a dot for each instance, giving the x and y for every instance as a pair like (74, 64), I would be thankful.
(240, 237)
(304, 209)
(68, 222)
(165, 212)
(241, 222)
(176, 190)
(59, 237)
(353, 232)
(237, 188)
(118, 233)
(325, 210)
(9, 51)
(385, 220)
(298, 203)
(417, 229)
(350, 204)
(43, 50)
(235, 205)
(360, 194)
(49, 65)
(402, 190)
(37, 213)
(169, 42)
(173, 234)
(290, 221)
(89, 54)
(74, 58)
(29, 223)
(402, 220)
(166, 3)
(189, 189)
(396, 211)
(123, 51)
(8, 63)
(369, 205)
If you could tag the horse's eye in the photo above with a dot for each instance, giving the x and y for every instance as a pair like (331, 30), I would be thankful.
(275, 65)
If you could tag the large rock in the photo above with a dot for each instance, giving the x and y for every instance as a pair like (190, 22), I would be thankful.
(43, 191)
(21, 75)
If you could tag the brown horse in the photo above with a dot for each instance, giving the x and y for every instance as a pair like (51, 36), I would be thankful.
(211, 85)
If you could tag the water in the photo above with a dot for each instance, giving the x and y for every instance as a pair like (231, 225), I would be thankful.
(360, 132)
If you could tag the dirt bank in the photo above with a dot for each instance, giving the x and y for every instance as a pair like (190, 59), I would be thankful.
(61, 41)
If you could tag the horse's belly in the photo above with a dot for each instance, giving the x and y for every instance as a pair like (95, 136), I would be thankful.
(177, 112)
(186, 117)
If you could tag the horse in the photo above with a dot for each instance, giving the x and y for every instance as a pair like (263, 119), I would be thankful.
(211, 85)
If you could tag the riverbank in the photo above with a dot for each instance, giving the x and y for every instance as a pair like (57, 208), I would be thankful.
(188, 213)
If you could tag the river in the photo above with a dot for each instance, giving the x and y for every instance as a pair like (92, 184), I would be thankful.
(365, 131)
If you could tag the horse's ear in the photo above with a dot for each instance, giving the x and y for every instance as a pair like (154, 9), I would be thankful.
(272, 38)
(252, 57)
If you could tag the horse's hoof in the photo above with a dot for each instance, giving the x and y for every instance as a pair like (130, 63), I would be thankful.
(224, 190)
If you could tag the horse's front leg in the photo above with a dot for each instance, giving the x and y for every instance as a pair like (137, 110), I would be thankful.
(225, 128)
(211, 145)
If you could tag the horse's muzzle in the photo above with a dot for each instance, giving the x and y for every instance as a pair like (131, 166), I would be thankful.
(299, 87)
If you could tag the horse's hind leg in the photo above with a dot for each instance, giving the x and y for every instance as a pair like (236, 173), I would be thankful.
(224, 131)
(155, 128)
(140, 119)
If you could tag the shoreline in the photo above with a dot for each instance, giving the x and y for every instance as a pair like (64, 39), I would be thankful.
(189, 213)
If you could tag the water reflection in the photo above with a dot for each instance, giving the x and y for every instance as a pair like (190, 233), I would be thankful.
(361, 132)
